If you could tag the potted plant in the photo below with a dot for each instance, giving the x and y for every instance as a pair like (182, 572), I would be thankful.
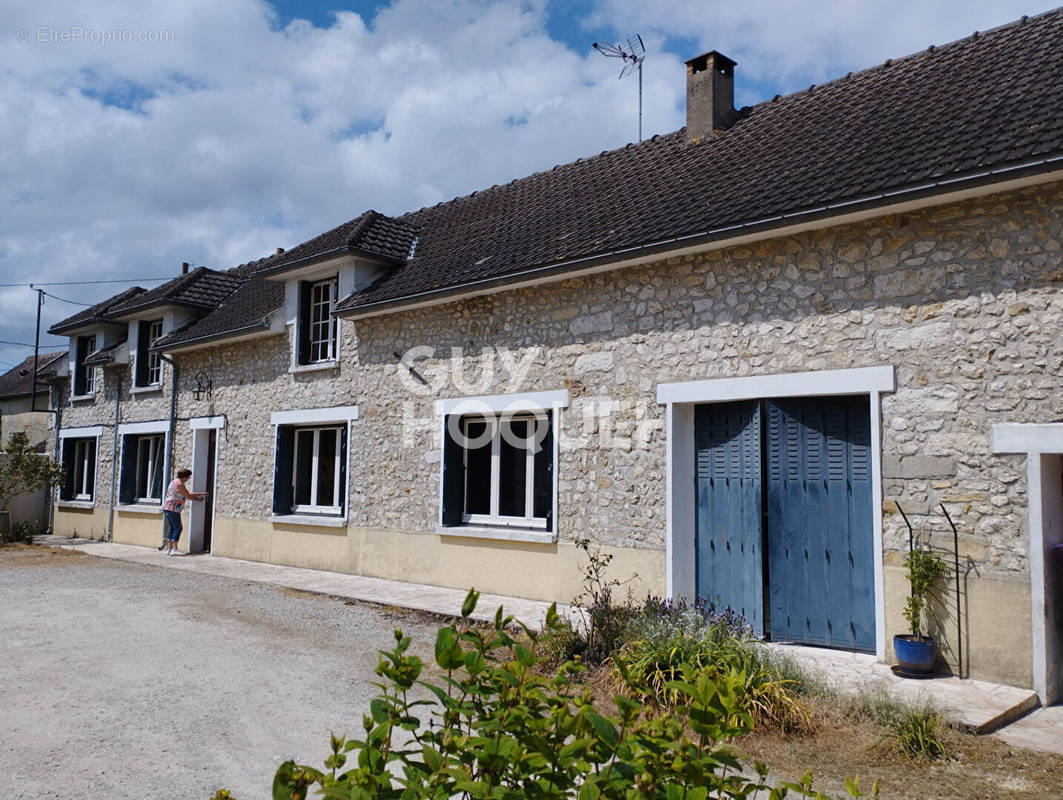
(914, 651)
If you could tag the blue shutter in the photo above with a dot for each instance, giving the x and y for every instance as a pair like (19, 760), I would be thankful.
(282, 470)
(819, 523)
(127, 486)
(729, 551)
(453, 478)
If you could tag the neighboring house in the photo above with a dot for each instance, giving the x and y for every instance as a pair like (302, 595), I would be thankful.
(725, 355)
(17, 416)
(16, 396)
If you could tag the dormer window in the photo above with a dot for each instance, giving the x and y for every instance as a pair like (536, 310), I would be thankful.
(317, 326)
(148, 364)
(84, 375)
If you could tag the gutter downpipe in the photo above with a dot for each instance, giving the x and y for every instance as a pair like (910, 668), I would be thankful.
(114, 456)
(173, 415)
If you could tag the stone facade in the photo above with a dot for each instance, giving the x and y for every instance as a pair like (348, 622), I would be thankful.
(962, 300)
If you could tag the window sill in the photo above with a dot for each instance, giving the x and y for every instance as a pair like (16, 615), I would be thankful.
(77, 504)
(499, 534)
(154, 387)
(80, 398)
(319, 367)
(140, 508)
(309, 519)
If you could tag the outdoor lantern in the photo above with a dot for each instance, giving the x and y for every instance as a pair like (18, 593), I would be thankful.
(203, 386)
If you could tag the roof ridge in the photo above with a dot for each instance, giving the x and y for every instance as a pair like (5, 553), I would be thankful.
(892, 62)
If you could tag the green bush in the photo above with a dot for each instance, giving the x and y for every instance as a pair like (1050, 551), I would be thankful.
(20, 532)
(720, 643)
(493, 728)
(915, 731)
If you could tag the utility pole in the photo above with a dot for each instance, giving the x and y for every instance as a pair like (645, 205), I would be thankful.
(36, 348)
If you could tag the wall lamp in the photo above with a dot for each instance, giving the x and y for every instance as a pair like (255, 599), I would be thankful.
(204, 386)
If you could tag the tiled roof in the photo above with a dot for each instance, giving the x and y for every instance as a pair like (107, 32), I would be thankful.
(18, 381)
(371, 234)
(246, 310)
(105, 355)
(200, 288)
(984, 103)
(97, 313)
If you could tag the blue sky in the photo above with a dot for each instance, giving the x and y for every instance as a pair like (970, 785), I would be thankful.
(136, 136)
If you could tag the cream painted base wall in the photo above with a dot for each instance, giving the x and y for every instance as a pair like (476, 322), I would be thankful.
(997, 639)
(143, 529)
(539, 572)
(85, 523)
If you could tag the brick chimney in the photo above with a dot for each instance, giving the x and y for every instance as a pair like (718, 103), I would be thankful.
(710, 95)
(184, 267)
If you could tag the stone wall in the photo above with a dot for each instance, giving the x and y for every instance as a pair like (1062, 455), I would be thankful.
(964, 301)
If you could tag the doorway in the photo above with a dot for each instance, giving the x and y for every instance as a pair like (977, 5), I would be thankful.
(784, 524)
(204, 470)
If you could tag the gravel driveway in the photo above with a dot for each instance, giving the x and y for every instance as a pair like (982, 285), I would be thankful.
(120, 680)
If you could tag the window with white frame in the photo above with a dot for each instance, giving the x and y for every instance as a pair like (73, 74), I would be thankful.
(317, 326)
(143, 466)
(498, 470)
(84, 375)
(79, 469)
(148, 363)
(311, 472)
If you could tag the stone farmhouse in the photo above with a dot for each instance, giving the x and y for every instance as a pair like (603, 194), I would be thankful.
(803, 318)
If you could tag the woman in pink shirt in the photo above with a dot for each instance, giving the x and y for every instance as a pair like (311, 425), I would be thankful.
(172, 504)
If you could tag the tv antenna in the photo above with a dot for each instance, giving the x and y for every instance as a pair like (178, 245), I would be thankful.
(632, 52)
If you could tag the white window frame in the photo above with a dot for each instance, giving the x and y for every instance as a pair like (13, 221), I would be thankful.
(155, 457)
(86, 489)
(323, 297)
(93, 432)
(81, 368)
(495, 517)
(315, 507)
(498, 405)
(323, 417)
(154, 368)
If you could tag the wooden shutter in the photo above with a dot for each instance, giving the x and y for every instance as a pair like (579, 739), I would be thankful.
(302, 329)
(453, 478)
(343, 470)
(127, 487)
(282, 470)
(66, 490)
(90, 466)
(80, 355)
(140, 376)
(544, 475)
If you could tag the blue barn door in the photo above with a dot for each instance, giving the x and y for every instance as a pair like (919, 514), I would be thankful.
(819, 522)
(729, 537)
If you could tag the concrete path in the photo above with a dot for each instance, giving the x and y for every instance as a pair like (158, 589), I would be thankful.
(972, 705)
(1041, 730)
(418, 596)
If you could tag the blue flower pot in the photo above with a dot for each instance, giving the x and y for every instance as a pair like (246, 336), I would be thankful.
(915, 655)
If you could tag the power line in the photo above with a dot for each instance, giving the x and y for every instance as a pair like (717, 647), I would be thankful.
(64, 300)
(85, 283)
(27, 344)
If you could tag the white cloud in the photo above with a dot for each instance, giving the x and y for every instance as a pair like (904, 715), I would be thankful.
(240, 136)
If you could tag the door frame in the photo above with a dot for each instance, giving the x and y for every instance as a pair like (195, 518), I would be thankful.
(1042, 444)
(679, 400)
(201, 428)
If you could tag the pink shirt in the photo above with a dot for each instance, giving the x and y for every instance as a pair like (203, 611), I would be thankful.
(174, 501)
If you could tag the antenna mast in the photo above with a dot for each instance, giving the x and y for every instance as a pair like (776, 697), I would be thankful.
(632, 52)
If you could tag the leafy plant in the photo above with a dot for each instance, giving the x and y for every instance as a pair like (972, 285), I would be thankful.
(607, 624)
(23, 469)
(494, 728)
(924, 567)
(20, 531)
(721, 645)
(916, 732)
